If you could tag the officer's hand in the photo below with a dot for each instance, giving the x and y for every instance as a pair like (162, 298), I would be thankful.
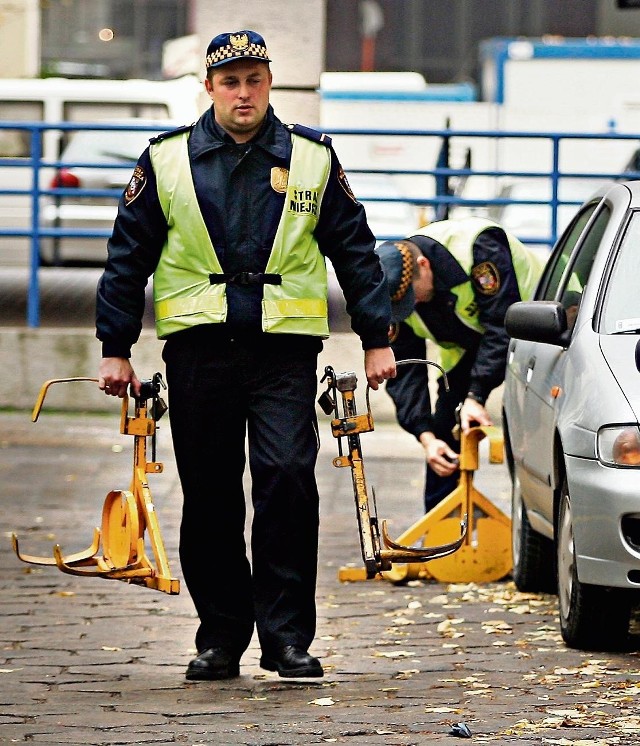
(473, 413)
(440, 457)
(379, 364)
(114, 376)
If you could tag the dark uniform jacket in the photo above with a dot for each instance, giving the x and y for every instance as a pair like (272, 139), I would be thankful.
(488, 351)
(241, 211)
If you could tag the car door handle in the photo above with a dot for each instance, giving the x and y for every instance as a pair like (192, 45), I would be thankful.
(530, 366)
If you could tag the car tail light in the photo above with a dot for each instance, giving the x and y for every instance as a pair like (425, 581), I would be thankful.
(619, 446)
(64, 179)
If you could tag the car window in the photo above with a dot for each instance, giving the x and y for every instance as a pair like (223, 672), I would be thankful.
(576, 281)
(621, 304)
(17, 143)
(557, 265)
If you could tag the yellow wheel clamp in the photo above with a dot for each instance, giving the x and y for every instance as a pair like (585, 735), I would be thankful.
(379, 551)
(482, 550)
(126, 514)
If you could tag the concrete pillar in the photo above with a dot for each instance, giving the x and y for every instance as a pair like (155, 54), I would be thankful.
(19, 38)
(294, 32)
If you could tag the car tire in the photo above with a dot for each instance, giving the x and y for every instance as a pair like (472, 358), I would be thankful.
(534, 567)
(592, 617)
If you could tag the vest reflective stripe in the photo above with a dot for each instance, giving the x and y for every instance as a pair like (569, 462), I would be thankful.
(527, 265)
(183, 295)
(181, 306)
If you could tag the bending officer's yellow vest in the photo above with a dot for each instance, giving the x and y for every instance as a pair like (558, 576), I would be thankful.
(183, 294)
(528, 268)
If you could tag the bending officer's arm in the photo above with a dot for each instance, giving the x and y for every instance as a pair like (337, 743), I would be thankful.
(495, 288)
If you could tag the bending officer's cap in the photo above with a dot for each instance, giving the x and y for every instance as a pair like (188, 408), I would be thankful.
(397, 263)
(237, 45)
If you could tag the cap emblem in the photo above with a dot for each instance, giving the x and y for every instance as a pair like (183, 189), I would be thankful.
(239, 42)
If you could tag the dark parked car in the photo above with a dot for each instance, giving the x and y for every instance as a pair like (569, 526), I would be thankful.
(571, 409)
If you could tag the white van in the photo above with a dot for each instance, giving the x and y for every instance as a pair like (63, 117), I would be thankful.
(55, 100)
(60, 100)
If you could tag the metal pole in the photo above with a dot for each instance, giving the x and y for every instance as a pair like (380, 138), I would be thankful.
(33, 293)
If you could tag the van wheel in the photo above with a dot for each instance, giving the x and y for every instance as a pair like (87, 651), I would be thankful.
(533, 555)
(592, 617)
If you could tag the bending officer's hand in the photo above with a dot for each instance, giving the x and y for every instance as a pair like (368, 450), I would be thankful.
(440, 457)
(114, 376)
(379, 364)
(473, 413)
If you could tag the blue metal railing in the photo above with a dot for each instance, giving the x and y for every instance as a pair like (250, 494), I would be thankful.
(439, 199)
(35, 162)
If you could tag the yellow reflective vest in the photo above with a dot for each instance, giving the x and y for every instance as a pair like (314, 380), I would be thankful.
(183, 294)
(458, 237)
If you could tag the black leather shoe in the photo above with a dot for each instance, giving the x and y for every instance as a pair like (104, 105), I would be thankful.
(292, 662)
(213, 664)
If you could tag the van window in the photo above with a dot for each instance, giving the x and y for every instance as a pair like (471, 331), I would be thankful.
(15, 143)
(93, 111)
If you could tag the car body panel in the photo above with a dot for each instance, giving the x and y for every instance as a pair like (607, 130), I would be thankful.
(602, 556)
(619, 352)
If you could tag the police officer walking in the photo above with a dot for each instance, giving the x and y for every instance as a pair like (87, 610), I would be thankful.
(234, 216)
(451, 283)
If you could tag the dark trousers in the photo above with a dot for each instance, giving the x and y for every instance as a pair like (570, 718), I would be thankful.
(444, 420)
(219, 394)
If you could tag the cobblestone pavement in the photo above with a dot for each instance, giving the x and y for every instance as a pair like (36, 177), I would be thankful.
(89, 661)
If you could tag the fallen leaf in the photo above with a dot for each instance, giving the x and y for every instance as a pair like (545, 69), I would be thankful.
(322, 702)
(395, 654)
(442, 599)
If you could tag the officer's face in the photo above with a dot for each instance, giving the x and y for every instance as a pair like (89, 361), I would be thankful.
(240, 94)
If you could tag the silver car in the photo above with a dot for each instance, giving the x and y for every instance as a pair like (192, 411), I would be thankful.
(571, 409)
(91, 203)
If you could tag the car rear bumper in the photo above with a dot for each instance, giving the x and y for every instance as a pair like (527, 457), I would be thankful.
(600, 497)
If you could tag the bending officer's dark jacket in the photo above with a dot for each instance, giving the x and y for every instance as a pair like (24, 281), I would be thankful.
(410, 390)
(241, 211)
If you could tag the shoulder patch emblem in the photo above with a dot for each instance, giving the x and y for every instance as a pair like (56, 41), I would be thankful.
(342, 180)
(392, 332)
(279, 179)
(486, 278)
(135, 186)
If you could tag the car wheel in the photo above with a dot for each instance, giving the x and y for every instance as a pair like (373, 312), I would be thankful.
(533, 556)
(592, 617)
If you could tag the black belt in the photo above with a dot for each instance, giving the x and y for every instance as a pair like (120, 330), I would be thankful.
(246, 278)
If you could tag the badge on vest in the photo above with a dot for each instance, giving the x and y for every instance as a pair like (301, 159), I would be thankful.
(279, 179)
(135, 186)
(486, 278)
